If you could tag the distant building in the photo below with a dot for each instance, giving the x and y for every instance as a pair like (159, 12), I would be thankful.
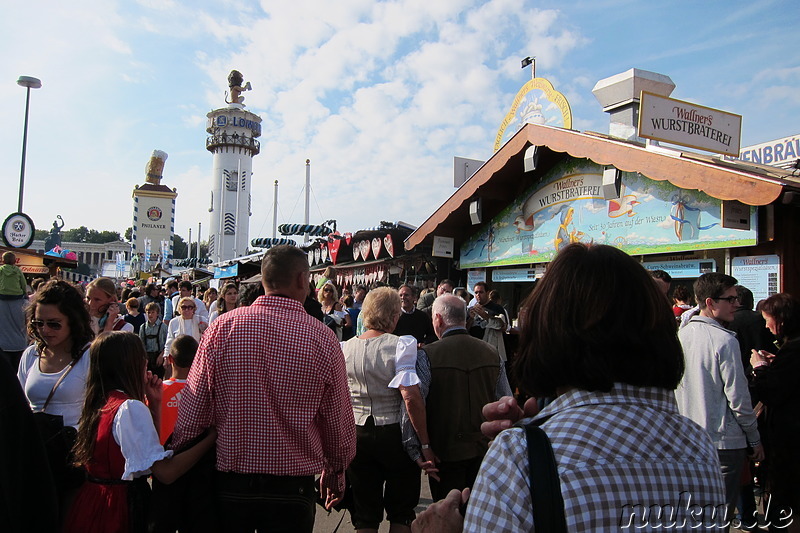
(232, 139)
(93, 255)
(154, 216)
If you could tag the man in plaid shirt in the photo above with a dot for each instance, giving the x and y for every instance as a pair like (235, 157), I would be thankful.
(272, 380)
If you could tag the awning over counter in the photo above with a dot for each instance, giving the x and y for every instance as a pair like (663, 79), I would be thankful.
(499, 178)
(37, 264)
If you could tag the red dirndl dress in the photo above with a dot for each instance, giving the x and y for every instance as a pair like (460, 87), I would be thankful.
(106, 503)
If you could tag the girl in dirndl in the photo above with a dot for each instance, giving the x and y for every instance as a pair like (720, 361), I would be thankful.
(118, 444)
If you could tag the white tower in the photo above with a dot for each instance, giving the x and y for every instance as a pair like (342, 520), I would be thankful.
(232, 139)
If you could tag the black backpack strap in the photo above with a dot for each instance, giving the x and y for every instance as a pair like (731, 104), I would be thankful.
(548, 505)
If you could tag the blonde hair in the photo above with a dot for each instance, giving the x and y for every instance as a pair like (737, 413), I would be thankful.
(188, 299)
(321, 293)
(105, 285)
(381, 308)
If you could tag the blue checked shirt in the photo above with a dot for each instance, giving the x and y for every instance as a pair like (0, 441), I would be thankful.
(622, 456)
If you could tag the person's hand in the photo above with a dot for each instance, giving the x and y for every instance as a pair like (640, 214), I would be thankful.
(113, 312)
(152, 388)
(480, 311)
(429, 467)
(443, 516)
(504, 413)
(331, 488)
(429, 463)
(758, 453)
(758, 357)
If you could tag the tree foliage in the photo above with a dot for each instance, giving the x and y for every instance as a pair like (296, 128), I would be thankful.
(180, 248)
(84, 234)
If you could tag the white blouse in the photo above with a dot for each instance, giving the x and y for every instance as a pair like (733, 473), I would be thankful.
(68, 399)
(136, 435)
(405, 363)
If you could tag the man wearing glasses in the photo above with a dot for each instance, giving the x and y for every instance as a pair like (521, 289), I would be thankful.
(714, 390)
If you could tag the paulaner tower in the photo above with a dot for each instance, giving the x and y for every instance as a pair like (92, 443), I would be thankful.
(153, 216)
(232, 139)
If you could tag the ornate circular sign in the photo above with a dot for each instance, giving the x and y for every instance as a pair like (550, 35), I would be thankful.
(538, 103)
(18, 230)
(154, 213)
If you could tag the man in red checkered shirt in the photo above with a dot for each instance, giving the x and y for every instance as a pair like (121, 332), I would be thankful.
(272, 380)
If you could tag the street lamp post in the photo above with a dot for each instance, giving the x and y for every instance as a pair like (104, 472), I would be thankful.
(30, 83)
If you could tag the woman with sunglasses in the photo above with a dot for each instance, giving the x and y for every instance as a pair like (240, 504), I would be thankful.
(187, 323)
(335, 317)
(53, 370)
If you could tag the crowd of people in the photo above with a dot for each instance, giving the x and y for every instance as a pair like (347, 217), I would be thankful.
(293, 393)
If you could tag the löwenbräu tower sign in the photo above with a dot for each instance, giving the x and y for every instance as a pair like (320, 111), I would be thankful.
(232, 139)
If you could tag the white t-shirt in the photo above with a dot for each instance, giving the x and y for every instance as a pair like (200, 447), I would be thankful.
(68, 398)
(134, 431)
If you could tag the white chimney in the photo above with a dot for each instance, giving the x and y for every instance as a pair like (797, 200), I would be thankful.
(619, 96)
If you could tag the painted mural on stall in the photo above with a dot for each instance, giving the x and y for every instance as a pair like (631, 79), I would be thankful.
(567, 205)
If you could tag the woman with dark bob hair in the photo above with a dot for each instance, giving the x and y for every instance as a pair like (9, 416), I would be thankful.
(598, 334)
(776, 384)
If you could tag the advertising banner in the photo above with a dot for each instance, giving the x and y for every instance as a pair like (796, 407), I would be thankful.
(675, 121)
(780, 152)
(759, 273)
(685, 269)
(649, 217)
(537, 102)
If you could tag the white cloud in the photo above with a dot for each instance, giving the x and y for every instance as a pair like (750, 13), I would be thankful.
(379, 95)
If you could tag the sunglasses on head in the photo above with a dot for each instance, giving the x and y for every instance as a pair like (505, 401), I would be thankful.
(39, 324)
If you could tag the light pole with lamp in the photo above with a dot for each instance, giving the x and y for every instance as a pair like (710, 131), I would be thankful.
(30, 83)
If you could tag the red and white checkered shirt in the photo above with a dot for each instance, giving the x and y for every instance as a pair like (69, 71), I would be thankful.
(272, 380)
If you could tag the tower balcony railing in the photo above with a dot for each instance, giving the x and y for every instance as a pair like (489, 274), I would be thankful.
(223, 139)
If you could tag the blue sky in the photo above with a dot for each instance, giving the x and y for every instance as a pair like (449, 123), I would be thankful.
(379, 95)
